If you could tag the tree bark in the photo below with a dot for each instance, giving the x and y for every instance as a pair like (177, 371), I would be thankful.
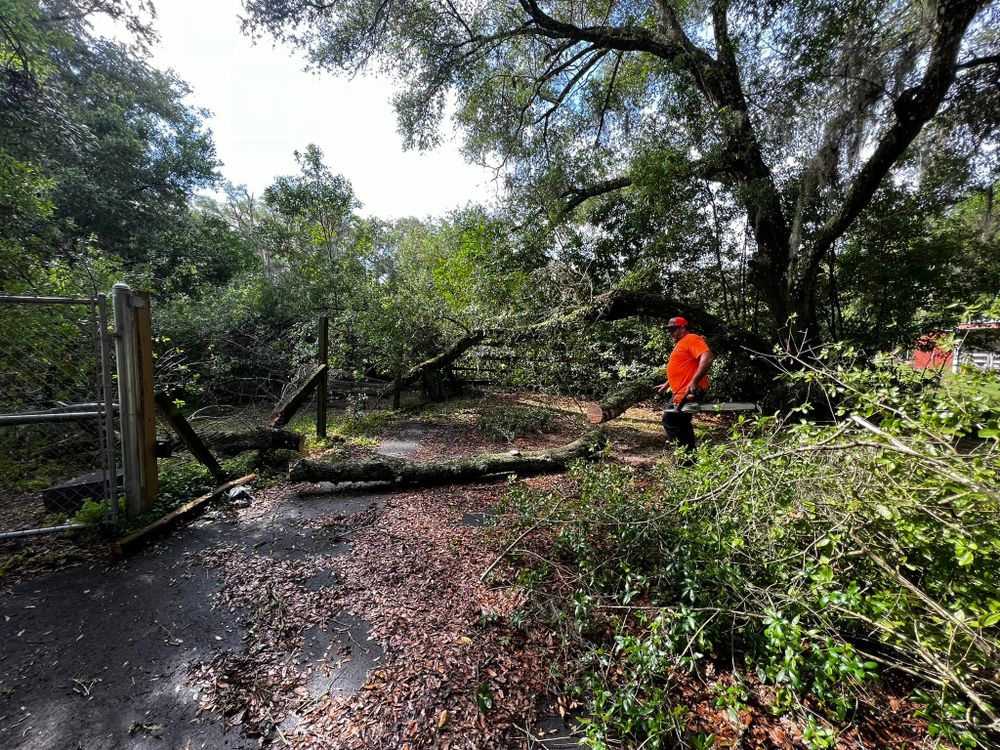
(404, 473)
(626, 396)
(234, 443)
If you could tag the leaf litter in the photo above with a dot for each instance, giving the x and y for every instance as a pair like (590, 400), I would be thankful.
(460, 670)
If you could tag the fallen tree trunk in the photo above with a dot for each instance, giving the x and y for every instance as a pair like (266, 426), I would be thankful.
(425, 473)
(625, 397)
(617, 304)
(234, 443)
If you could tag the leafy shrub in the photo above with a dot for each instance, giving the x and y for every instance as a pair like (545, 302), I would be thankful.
(820, 557)
(182, 481)
(91, 512)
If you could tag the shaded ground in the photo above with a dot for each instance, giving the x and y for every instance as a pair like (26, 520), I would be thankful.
(311, 617)
(315, 617)
(110, 657)
(97, 658)
(339, 617)
(27, 556)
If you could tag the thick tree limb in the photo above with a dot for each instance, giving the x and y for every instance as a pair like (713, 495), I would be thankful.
(977, 61)
(913, 109)
(617, 304)
(234, 443)
(439, 361)
(426, 473)
(577, 196)
(628, 395)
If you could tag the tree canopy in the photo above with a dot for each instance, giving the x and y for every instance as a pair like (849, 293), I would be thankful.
(742, 163)
(98, 147)
(795, 114)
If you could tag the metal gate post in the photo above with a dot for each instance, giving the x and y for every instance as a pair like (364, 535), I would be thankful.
(134, 380)
(104, 344)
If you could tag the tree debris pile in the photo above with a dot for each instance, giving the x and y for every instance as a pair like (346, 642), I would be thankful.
(827, 585)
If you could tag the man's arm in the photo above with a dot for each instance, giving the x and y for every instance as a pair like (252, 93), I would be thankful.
(704, 363)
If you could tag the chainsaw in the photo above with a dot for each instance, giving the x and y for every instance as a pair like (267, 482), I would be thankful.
(693, 407)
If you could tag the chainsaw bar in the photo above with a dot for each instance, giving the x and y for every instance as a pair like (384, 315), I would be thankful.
(714, 408)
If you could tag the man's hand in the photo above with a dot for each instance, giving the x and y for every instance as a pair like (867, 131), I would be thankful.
(694, 392)
(662, 387)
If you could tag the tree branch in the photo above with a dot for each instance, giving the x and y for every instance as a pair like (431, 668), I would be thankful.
(617, 304)
(913, 108)
(577, 196)
(977, 61)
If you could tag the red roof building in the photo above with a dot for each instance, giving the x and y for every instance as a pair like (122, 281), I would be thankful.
(977, 343)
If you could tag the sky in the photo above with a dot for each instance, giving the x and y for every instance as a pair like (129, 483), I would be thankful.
(264, 106)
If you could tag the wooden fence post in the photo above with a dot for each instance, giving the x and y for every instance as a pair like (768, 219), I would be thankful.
(188, 436)
(133, 345)
(323, 360)
(147, 404)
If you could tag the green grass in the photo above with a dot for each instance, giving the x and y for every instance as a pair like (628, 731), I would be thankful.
(972, 385)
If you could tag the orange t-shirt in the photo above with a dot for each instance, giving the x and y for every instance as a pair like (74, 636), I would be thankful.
(683, 364)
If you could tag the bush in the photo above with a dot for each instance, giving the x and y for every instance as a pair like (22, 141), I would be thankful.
(821, 558)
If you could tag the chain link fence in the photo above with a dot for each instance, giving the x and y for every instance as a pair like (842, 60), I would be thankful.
(57, 439)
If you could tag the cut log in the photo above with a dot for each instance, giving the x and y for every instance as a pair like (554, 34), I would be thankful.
(233, 443)
(299, 395)
(426, 473)
(625, 397)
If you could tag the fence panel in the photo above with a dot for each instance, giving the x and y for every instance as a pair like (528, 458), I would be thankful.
(57, 444)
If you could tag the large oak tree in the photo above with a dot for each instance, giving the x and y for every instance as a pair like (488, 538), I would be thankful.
(797, 110)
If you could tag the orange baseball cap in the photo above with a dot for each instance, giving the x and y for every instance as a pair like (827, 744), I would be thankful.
(676, 322)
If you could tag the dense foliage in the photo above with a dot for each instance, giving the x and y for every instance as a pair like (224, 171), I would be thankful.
(833, 564)
(723, 149)
(100, 161)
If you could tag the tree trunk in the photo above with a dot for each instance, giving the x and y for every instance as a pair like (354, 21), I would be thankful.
(404, 473)
(234, 443)
(628, 395)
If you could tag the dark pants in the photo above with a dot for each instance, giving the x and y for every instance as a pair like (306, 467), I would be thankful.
(679, 429)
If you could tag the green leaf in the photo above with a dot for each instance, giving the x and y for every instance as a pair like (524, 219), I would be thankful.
(990, 620)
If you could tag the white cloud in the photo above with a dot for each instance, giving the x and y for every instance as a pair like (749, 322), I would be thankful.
(265, 106)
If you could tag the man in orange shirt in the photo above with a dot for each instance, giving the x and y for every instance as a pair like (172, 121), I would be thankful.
(687, 378)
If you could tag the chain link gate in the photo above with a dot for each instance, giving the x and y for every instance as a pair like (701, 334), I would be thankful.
(57, 415)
